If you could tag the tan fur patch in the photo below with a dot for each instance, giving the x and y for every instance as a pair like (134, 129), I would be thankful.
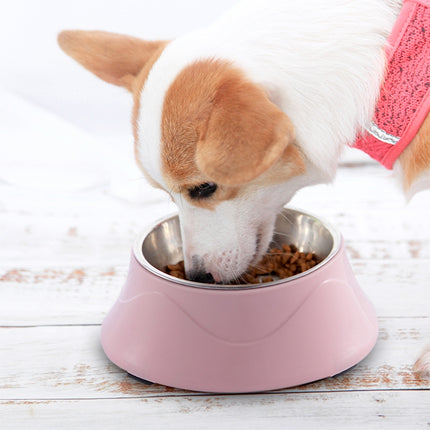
(115, 58)
(292, 163)
(217, 126)
(415, 159)
(186, 111)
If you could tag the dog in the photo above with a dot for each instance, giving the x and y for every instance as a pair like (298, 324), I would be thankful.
(233, 119)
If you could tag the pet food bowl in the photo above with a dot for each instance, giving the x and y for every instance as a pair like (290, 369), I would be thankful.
(247, 338)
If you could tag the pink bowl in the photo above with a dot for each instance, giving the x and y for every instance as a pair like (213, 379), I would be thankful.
(245, 338)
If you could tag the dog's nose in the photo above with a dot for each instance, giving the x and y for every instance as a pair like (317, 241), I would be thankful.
(203, 277)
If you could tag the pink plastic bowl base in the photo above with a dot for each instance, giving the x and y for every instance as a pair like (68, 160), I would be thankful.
(246, 340)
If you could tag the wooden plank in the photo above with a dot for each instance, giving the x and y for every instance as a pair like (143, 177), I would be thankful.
(67, 362)
(107, 223)
(394, 249)
(352, 410)
(84, 294)
(91, 227)
(58, 295)
(94, 227)
(71, 247)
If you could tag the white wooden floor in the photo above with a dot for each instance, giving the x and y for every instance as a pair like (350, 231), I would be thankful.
(64, 257)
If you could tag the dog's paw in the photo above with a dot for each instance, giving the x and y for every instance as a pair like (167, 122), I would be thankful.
(422, 365)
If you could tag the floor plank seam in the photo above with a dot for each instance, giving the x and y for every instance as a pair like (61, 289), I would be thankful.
(50, 325)
(184, 395)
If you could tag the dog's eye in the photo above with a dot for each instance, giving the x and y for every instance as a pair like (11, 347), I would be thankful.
(202, 191)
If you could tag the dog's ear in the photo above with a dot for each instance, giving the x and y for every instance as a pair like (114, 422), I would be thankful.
(245, 134)
(115, 58)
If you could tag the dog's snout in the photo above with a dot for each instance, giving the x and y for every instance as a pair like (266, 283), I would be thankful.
(197, 272)
(203, 277)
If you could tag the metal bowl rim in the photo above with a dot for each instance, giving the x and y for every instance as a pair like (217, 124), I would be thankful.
(138, 253)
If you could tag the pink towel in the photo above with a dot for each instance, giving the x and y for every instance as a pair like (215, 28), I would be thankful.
(404, 100)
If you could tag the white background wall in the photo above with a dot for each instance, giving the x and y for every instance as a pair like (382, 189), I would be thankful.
(31, 64)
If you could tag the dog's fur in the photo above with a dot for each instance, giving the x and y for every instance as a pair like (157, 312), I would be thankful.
(260, 103)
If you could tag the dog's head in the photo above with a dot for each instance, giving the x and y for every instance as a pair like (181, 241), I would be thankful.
(210, 137)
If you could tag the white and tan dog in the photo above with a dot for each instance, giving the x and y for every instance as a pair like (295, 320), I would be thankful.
(233, 119)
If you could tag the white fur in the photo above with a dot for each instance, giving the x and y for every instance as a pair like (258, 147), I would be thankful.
(321, 62)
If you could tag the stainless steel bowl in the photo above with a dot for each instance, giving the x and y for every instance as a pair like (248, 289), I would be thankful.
(161, 245)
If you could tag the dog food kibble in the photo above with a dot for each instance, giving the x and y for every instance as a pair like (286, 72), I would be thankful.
(176, 270)
(278, 263)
